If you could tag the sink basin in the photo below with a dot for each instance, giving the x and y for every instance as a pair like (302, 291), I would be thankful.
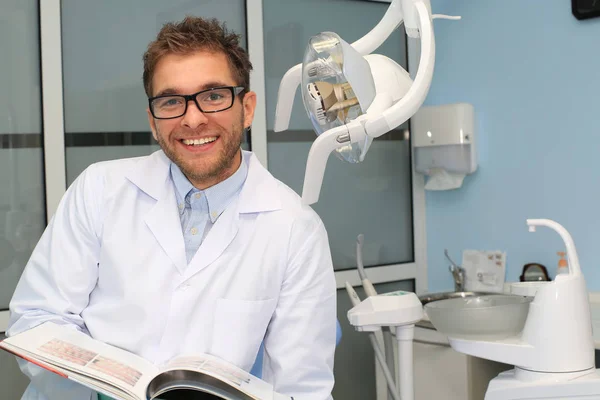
(430, 297)
(484, 317)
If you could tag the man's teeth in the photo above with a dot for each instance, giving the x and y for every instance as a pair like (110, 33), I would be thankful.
(198, 141)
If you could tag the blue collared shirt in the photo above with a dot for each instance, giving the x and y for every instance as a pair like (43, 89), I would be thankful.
(200, 209)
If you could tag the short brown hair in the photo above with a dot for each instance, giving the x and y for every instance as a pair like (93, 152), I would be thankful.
(193, 34)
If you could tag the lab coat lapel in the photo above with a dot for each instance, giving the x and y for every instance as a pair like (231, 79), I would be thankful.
(257, 195)
(261, 189)
(216, 242)
(152, 176)
(163, 220)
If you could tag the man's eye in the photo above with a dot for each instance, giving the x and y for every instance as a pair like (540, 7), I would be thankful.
(170, 102)
(214, 97)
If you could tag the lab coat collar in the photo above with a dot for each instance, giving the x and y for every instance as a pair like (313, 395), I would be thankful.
(152, 176)
(259, 193)
(261, 190)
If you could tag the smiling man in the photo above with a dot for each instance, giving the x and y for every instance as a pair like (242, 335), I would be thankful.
(204, 140)
(193, 249)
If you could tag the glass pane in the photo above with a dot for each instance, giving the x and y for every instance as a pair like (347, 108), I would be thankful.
(105, 103)
(22, 198)
(374, 197)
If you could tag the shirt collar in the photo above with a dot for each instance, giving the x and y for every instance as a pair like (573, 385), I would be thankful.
(218, 196)
(182, 185)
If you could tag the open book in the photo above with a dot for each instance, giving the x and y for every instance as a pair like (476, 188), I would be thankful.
(126, 376)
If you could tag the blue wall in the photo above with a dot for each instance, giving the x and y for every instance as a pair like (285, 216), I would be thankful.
(532, 72)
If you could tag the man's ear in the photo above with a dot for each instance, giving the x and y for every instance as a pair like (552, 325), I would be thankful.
(152, 123)
(249, 105)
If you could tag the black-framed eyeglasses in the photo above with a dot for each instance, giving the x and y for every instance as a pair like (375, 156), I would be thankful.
(208, 101)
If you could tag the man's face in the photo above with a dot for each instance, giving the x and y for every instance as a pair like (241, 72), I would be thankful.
(208, 163)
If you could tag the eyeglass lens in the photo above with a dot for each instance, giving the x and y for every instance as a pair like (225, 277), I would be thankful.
(209, 101)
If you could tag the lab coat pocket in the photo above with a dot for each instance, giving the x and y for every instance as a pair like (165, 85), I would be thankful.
(239, 329)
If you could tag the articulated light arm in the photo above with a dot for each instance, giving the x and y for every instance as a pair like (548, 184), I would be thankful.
(406, 107)
(388, 24)
(285, 97)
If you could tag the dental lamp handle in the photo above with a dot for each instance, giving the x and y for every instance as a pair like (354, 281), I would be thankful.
(319, 152)
(443, 16)
(285, 97)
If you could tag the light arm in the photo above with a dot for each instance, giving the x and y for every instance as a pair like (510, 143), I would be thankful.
(285, 97)
(406, 107)
(388, 24)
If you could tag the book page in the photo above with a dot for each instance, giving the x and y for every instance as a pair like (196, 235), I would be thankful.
(224, 371)
(75, 351)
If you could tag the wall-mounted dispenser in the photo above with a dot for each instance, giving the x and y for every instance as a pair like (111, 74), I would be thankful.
(443, 137)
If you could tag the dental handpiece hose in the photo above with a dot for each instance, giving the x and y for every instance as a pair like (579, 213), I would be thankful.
(388, 340)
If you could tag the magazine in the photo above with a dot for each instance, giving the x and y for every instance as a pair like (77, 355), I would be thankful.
(125, 376)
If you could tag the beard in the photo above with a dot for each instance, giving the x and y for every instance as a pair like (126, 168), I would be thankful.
(216, 167)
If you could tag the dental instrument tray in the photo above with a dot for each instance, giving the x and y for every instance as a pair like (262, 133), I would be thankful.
(487, 316)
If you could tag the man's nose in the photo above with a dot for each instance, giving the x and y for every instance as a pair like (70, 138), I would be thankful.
(193, 117)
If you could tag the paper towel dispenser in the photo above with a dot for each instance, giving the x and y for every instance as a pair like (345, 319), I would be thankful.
(444, 139)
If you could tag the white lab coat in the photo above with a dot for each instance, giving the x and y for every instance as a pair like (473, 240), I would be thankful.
(112, 263)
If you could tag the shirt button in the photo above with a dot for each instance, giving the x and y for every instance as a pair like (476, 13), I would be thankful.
(181, 206)
(214, 214)
(194, 231)
(198, 195)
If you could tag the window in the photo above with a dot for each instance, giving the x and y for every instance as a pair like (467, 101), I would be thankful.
(104, 99)
(22, 198)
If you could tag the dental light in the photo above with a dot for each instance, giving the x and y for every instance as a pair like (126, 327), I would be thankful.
(352, 96)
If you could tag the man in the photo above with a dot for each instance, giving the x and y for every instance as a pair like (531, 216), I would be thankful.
(193, 249)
